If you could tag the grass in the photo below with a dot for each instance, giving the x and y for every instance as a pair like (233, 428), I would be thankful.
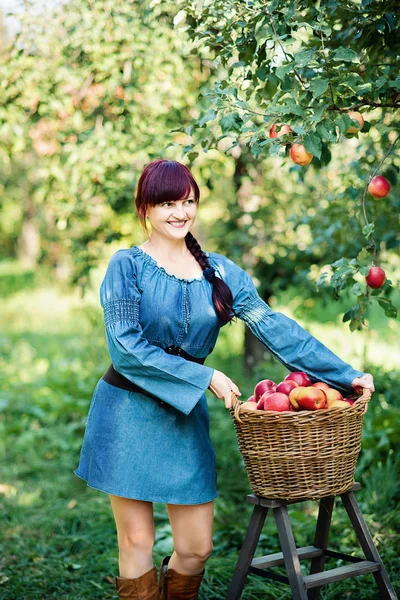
(59, 536)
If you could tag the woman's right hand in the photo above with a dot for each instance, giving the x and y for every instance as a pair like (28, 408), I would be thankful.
(222, 387)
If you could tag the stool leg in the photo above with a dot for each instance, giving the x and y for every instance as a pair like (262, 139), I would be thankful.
(386, 591)
(289, 551)
(247, 552)
(321, 540)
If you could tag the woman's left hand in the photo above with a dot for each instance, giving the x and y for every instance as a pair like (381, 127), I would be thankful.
(366, 382)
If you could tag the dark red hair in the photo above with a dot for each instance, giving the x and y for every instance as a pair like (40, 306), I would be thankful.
(164, 180)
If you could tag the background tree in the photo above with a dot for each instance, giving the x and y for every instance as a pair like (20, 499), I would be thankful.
(87, 102)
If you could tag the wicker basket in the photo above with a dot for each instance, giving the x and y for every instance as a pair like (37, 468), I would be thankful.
(306, 454)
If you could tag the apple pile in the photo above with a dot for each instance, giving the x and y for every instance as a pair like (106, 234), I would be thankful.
(295, 393)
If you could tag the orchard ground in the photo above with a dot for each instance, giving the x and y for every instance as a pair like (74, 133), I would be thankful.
(60, 540)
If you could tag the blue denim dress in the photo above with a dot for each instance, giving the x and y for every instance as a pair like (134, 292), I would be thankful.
(134, 446)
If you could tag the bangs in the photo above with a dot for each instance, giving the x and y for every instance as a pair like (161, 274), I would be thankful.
(166, 180)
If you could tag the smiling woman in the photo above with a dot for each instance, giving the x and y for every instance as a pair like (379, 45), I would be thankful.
(147, 436)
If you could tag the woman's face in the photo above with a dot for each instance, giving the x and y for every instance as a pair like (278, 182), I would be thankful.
(174, 218)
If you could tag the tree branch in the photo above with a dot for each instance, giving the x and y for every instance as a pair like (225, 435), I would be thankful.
(327, 70)
(282, 48)
(373, 243)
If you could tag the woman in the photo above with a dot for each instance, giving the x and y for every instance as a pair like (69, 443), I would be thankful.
(147, 433)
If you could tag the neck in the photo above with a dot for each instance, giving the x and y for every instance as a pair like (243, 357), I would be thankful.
(169, 249)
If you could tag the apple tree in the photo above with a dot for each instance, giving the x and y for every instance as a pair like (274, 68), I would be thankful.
(310, 83)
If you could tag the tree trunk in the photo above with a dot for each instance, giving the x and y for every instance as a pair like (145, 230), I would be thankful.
(254, 350)
(29, 240)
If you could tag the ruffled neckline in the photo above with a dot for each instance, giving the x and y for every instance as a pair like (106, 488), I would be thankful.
(155, 264)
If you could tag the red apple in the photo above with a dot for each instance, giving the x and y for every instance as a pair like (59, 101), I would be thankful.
(276, 401)
(285, 387)
(356, 116)
(260, 403)
(284, 129)
(332, 396)
(299, 377)
(251, 399)
(311, 398)
(376, 277)
(321, 385)
(262, 386)
(349, 400)
(379, 187)
(248, 405)
(299, 155)
(293, 397)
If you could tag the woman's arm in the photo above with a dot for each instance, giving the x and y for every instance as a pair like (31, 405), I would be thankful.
(290, 343)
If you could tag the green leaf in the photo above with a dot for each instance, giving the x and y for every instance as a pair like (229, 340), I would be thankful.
(388, 307)
(343, 121)
(208, 116)
(326, 130)
(362, 255)
(345, 55)
(395, 83)
(231, 122)
(312, 144)
(341, 262)
(263, 31)
(283, 70)
(318, 86)
(303, 58)
(368, 229)
(364, 271)
(356, 289)
(355, 324)
(299, 129)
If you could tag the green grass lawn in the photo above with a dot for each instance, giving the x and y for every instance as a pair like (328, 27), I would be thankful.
(59, 535)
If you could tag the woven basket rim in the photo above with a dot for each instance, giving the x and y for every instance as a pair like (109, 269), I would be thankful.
(302, 415)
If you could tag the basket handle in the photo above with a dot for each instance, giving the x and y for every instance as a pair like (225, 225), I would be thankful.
(236, 404)
(365, 398)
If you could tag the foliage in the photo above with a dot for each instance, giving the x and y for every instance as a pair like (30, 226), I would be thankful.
(307, 65)
(85, 106)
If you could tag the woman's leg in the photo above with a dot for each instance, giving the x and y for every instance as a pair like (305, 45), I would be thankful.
(192, 534)
(136, 534)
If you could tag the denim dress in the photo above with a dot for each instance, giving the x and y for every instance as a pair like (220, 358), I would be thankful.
(136, 447)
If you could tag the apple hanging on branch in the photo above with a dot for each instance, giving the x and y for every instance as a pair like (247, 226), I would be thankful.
(379, 187)
(355, 116)
(299, 155)
(284, 129)
(376, 277)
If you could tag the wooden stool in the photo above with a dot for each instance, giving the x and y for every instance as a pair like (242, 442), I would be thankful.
(291, 556)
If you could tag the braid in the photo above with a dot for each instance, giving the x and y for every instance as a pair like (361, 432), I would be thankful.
(221, 294)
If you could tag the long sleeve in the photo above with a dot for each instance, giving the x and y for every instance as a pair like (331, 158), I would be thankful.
(173, 379)
(292, 345)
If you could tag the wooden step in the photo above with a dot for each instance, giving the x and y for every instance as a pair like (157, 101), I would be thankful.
(359, 568)
(274, 560)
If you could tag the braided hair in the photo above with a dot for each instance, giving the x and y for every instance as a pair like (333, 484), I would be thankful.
(163, 180)
(221, 294)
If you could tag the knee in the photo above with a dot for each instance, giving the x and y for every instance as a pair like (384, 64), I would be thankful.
(200, 552)
(129, 541)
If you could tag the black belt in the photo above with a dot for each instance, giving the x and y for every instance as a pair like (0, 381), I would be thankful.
(112, 376)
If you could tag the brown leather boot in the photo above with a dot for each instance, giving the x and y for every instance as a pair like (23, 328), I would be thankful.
(175, 586)
(144, 587)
